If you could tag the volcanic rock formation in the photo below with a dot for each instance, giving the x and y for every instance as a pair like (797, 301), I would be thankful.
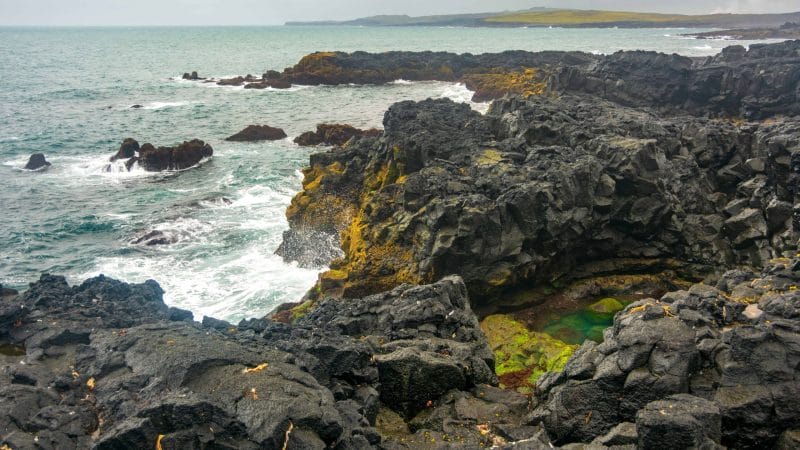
(152, 159)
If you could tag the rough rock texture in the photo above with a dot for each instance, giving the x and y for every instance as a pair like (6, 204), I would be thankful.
(258, 133)
(545, 190)
(152, 159)
(37, 161)
(108, 365)
(735, 346)
(755, 83)
(333, 134)
(680, 421)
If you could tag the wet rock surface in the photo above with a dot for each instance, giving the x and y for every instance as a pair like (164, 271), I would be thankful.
(258, 133)
(152, 159)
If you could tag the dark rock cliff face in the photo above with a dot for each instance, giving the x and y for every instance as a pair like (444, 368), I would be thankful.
(546, 190)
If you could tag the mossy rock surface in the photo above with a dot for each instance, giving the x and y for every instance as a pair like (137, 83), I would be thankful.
(606, 306)
(521, 355)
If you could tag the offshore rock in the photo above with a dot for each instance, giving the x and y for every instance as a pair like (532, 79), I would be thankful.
(333, 134)
(544, 190)
(127, 150)
(37, 161)
(152, 159)
(258, 133)
(740, 371)
(191, 76)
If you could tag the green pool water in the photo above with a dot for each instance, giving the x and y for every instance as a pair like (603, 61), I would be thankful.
(587, 324)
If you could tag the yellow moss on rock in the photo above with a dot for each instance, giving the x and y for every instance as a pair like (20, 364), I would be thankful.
(496, 84)
(521, 355)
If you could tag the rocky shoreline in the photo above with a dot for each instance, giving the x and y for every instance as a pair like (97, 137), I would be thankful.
(666, 182)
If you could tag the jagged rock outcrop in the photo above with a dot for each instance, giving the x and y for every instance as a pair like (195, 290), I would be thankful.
(734, 347)
(756, 83)
(544, 190)
(258, 133)
(108, 365)
(37, 161)
(152, 159)
(333, 134)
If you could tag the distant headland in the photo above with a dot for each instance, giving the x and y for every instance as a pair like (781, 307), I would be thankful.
(573, 18)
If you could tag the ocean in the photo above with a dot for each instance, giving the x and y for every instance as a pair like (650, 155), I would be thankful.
(68, 92)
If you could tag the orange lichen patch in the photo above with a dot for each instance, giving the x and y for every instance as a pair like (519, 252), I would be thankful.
(496, 84)
(255, 369)
(90, 383)
(158, 442)
(318, 60)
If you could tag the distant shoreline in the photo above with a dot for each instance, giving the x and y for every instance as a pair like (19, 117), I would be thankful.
(570, 18)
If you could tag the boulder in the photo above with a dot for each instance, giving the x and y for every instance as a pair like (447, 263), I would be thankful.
(678, 422)
(191, 76)
(258, 133)
(37, 161)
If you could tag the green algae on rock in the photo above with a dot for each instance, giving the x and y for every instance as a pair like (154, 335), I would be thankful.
(521, 355)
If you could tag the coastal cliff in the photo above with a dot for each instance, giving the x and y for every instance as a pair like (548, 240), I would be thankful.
(653, 194)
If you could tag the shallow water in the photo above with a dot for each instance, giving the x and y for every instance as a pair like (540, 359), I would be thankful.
(68, 92)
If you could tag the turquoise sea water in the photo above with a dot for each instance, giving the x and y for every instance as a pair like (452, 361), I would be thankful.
(67, 92)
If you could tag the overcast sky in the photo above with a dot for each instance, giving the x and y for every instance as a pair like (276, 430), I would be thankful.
(270, 12)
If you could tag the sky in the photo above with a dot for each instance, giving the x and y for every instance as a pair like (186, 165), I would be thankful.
(274, 12)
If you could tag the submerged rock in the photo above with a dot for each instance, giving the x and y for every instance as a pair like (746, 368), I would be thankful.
(267, 83)
(258, 133)
(37, 161)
